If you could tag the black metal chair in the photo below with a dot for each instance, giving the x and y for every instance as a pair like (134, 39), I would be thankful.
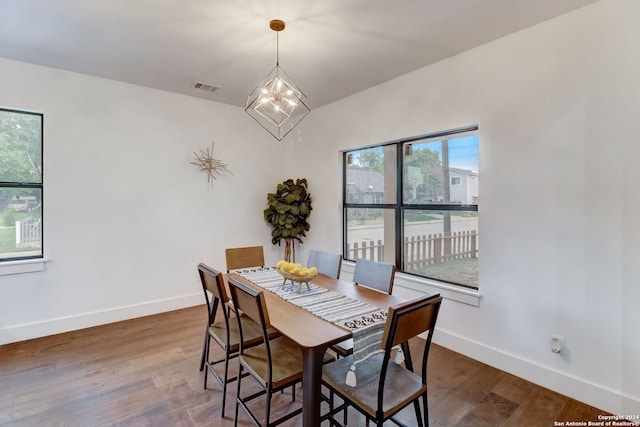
(224, 332)
(383, 387)
(372, 274)
(275, 364)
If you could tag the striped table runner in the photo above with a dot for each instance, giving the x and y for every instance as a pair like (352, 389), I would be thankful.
(365, 321)
(329, 305)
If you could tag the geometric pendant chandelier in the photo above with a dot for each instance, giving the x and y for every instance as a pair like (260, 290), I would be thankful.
(277, 103)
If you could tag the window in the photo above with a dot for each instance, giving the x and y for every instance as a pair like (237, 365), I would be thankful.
(20, 185)
(414, 203)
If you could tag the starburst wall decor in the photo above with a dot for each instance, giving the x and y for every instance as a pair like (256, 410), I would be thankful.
(206, 163)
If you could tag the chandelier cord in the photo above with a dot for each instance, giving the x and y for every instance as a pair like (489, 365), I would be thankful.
(277, 50)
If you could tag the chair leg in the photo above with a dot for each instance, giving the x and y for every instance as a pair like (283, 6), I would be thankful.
(204, 347)
(267, 422)
(426, 410)
(226, 380)
(416, 405)
(205, 359)
(235, 418)
(345, 415)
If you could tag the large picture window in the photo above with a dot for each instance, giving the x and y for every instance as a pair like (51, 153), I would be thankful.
(20, 185)
(414, 203)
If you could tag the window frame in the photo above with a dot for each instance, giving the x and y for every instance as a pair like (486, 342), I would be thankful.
(19, 260)
(399, 207)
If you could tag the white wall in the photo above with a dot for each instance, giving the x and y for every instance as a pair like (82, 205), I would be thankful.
(557, 107)
(126, 216)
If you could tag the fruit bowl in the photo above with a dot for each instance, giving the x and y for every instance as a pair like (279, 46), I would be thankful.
(295, 278)
(298, 278)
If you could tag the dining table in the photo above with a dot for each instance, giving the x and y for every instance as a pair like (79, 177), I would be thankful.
(313, 334)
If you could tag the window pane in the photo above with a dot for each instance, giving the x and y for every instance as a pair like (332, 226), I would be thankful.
(20, 222)
(442, 245)
(371, 175)
(367, 232)
(429, 165)
(20, 147)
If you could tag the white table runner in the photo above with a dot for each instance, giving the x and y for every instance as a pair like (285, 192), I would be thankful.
(365, 321)
(329, 305)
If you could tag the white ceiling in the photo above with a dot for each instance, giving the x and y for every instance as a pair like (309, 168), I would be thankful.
(330, 48)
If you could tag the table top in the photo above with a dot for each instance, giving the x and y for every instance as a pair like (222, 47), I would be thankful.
(307, 329)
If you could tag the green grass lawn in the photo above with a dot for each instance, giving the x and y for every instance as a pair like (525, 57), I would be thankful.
(7, 239)
(463, 271)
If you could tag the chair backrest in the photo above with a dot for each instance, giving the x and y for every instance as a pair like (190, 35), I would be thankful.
(375, 275)
(251, 303)
(405, 321)
(409, 319)
(326, 262)
(251, 256)
(212, 281)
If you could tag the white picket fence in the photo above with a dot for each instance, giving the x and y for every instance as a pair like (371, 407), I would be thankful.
(423, 249)
(29, 232)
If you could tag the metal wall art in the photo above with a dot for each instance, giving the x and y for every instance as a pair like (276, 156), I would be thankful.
(206, 163)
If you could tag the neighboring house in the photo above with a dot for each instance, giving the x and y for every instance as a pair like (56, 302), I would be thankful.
(24, 203)
(464, 186)
(364, 186)
(368, 187)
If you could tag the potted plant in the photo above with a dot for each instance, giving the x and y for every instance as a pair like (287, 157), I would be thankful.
(289, 208)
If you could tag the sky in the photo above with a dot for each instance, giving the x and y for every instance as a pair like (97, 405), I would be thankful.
(463, 151)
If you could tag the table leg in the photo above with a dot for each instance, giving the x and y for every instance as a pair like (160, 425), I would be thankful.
(312, 385)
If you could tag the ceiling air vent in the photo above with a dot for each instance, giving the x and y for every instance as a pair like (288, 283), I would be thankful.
(205, 87)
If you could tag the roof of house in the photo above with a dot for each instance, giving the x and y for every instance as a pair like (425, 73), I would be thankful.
(366, 181)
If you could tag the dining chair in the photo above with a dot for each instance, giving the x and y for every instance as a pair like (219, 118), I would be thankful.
(384, 387)
(250, 256)
(224, 332)
(275, 364)
(375, 275)
(326, 262)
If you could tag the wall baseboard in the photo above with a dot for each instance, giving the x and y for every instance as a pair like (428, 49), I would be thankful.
(59, 325)
(560, 382)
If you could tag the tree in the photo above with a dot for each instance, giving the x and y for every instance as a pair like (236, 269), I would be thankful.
(429, 164)
(413, 179)
(20, 155)
(20, 145)
(371, 160)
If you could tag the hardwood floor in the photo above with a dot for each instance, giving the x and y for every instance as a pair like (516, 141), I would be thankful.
(144, 372)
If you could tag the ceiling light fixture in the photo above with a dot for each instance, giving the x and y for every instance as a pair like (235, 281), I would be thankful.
(277, 103)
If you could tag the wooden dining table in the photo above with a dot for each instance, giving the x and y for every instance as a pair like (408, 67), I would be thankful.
(313, 334)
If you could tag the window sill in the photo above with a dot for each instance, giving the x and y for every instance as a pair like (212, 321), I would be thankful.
(448, 291)
(22, 266)
(424, 285)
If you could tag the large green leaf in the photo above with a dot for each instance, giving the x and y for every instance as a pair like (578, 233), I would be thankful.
(289, 208)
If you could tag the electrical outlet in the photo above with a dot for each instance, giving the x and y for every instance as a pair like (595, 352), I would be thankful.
(557, 343)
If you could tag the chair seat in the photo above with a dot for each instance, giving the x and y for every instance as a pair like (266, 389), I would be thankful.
(252, 333)
(401, 385)
(287, 362)
(343, 348)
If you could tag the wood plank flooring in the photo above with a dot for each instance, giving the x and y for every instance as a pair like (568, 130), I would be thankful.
(144, 372)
